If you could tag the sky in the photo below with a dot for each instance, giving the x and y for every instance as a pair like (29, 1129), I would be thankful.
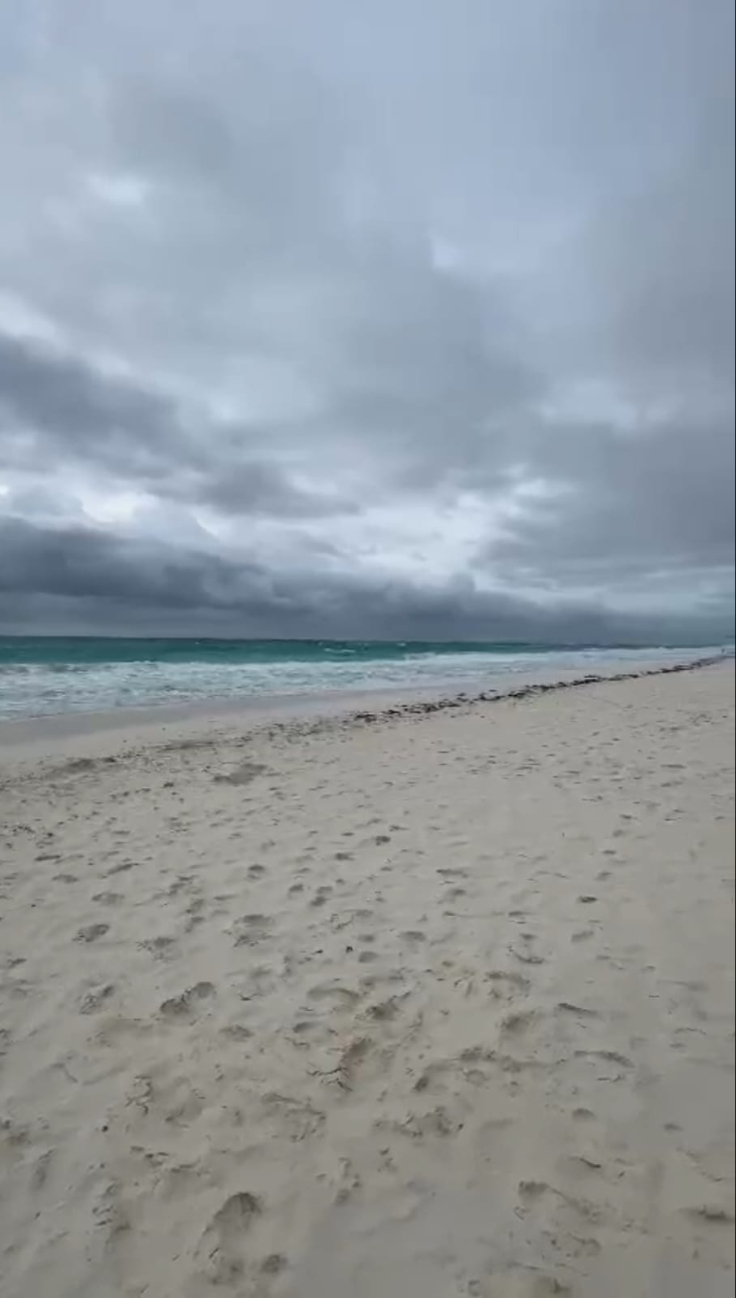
(390, 318)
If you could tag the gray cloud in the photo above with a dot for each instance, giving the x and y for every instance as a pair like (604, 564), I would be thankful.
(73, 573)
(58, 409)
(60, 402)
(369, 315)
(643, 500)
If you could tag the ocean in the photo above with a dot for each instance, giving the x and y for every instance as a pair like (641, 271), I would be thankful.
(43, 675)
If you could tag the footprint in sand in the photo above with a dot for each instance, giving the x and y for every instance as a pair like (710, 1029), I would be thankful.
(223, 1248)
(91, 932)
(193, 915)
(526, 956)
(122, 867)
(236, 1032)
(333, 991)
(508, 987)
(108, 898)
(251, 929)
(531, 1192)
(567, 1007)
(243, 774)
(382, 1011)
(518, 1022)
(158, 947)
(94, 1000)
(274, 1264)
(185, 1005)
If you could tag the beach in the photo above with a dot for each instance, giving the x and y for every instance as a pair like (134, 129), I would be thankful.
(412, 1002)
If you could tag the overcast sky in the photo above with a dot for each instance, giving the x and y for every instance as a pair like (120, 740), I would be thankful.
(381, 317)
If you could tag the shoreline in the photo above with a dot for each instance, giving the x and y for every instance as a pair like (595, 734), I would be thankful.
(265, 710)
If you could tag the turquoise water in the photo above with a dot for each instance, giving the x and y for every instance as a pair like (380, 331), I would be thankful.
(49, 674)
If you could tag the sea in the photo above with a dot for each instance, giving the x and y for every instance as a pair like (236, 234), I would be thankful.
(46, 675)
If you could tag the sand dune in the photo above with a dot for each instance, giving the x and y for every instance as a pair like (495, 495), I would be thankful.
(416, 1007)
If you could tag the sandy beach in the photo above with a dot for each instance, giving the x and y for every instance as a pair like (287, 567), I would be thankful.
(402, 1006)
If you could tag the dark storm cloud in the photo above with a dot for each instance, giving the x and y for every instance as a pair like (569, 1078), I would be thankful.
(86, 564)
(57, 409)
(74, 573)
(61, 401)
(404, 301)
(632, 501)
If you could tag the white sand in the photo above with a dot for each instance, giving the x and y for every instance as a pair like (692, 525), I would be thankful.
(438, 1006)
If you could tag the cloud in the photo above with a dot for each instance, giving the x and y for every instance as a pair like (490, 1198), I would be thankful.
(59, 410)
(74, 575)
(369, 316)
(639, 499)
